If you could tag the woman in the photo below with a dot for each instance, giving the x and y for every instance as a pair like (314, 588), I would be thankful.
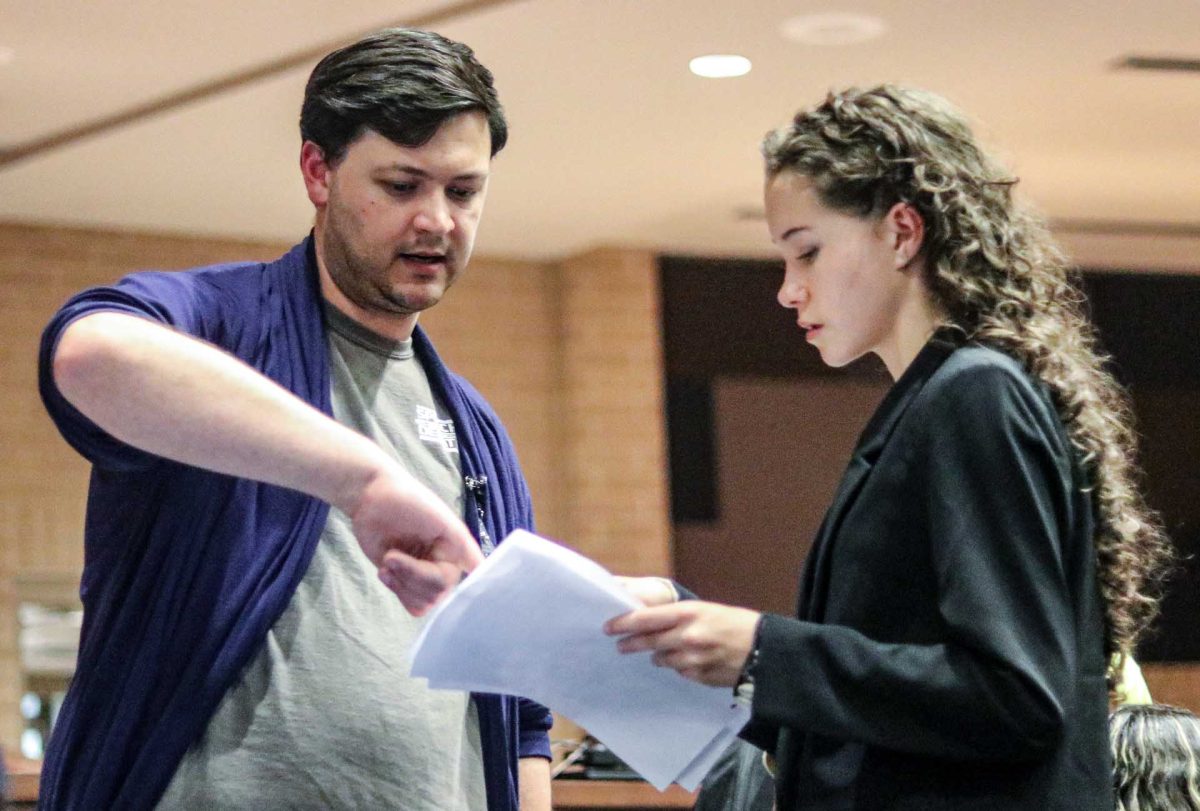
(987, 550)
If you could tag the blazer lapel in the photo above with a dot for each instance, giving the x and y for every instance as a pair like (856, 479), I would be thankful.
(813, 584)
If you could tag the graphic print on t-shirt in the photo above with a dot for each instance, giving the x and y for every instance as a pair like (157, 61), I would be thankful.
(435, 431)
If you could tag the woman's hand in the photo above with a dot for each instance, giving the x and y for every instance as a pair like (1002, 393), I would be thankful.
(650, 590)
(704, 642)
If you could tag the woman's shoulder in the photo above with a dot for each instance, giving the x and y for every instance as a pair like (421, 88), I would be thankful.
(980, 360)
(979, 383)
(979, 367)
(982, 398)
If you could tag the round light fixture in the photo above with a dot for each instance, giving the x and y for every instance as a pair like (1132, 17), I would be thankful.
(834, 28)
(720, 66)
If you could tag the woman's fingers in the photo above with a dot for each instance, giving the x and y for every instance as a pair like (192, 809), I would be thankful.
(647, 620)
(706, 642)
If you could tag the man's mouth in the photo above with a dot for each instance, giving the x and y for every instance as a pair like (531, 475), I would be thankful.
(424, 258)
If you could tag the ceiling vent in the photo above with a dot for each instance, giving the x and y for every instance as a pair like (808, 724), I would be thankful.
(1173, 64)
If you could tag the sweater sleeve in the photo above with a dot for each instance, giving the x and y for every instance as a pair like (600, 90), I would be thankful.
(534, 729)
(165, 298)
(987, 469)
(220, 304)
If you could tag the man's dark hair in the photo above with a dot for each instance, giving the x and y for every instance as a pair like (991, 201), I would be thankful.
(403, 84)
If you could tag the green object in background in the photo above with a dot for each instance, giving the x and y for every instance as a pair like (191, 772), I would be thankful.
(1132, 689)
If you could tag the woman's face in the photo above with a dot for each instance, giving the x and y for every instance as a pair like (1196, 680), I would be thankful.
(848, 279)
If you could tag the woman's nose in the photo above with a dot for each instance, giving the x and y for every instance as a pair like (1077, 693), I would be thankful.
(793, 293)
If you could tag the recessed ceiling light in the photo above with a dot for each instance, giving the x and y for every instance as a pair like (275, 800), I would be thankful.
(834, 28)
(7, 55)
(720, 66)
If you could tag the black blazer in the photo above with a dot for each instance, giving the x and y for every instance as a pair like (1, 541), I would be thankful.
(947, 651)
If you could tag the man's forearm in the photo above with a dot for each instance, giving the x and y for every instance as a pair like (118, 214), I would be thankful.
(178, 397)
(533, 774)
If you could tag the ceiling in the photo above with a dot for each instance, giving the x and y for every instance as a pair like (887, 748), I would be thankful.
(613, 141)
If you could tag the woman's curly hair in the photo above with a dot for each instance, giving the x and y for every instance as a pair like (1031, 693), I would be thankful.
(995, 273)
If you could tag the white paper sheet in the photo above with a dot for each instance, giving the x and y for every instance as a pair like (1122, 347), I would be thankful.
(528, 622)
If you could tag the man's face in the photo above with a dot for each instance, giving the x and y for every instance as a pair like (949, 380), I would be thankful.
(395, 224)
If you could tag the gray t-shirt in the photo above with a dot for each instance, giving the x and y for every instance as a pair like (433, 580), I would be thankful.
(326, 716)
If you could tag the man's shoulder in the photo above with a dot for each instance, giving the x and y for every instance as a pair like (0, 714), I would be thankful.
(232, 279)
(225, 274)
(235, 286)
(220, 275)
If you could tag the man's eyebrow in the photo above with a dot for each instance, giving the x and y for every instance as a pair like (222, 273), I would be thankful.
(421, 173)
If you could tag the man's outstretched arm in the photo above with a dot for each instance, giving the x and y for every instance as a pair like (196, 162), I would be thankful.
(181, 398)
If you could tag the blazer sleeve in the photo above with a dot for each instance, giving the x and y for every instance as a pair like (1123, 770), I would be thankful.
(991, 475)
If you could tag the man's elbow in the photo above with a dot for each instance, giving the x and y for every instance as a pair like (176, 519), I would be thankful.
(85, 362)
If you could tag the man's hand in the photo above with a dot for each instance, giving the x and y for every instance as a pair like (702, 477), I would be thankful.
(419, 545)
(704, 642)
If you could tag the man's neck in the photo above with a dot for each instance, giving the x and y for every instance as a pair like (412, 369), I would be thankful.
(393, 327)
(390, 325)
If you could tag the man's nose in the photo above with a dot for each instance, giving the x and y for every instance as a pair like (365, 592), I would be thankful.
(433, 217)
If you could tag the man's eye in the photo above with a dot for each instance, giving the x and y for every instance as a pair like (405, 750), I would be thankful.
(402, 188)
(462, 193)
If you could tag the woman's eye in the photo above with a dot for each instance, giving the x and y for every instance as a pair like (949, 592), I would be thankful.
(809, 255)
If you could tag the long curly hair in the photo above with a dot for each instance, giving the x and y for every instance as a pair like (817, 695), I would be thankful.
(994, 272)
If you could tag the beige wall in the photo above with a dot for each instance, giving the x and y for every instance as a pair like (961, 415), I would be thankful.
(568, 354)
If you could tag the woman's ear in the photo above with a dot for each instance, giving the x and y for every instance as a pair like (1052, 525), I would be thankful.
(905, 229)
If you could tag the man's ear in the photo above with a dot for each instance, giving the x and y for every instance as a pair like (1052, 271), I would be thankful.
(315, 171)
(905, 228)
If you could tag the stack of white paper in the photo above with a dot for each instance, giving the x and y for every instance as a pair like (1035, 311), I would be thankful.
(528, 622)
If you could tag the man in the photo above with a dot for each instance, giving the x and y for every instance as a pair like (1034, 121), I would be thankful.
(278, 454)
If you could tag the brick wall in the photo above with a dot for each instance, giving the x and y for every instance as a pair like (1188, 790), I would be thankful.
(567, 353)
(613, 416)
